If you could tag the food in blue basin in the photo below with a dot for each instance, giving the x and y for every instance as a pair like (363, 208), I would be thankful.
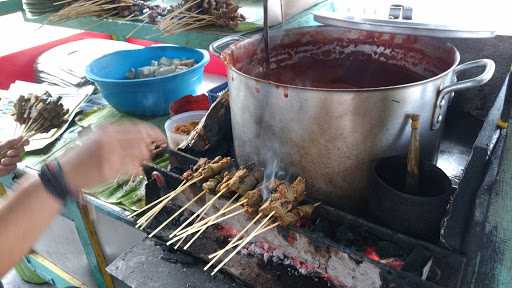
(149, 96)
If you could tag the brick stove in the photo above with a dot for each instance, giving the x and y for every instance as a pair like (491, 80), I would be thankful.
(343, 250)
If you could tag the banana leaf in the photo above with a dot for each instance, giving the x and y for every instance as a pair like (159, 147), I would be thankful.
(135, 196)
(116, 187)
(128, 189)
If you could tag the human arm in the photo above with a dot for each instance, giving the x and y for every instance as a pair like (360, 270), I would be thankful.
(112, 151)
(10, 154)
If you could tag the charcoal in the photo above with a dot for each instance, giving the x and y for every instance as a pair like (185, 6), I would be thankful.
(345, 236)
(417, 260)
(386, 249)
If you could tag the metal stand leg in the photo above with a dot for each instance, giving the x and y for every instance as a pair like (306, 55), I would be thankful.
(51, 272)
(79, 214)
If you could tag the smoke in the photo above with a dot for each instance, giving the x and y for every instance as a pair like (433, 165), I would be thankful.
(270, 173)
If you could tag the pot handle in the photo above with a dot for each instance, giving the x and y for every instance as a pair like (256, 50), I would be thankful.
(220, 45)
(442, 99)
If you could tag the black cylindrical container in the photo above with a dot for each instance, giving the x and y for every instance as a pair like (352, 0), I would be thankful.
(414, 215)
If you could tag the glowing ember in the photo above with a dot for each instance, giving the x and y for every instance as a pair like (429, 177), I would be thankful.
(371, 253)
(395, 263)
(227, 231)
(292, 238)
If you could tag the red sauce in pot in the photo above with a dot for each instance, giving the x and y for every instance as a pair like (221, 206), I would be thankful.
(354, 70)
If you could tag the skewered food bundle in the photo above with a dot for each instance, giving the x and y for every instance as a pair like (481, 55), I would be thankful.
(190, 14)
(187, 14)
(164, 66)
(277, 201)
(126, 9)
(38, 114)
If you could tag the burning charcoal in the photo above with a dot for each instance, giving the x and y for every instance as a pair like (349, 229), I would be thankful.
(322, 226)
(344, 235)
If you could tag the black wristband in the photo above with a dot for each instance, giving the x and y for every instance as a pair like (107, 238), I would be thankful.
(53, 180)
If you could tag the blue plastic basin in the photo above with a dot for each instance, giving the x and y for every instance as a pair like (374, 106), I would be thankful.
(150, 96)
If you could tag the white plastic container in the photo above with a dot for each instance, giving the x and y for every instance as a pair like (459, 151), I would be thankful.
(175, 139)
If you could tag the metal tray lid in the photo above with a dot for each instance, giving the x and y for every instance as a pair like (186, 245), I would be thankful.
(400, 19)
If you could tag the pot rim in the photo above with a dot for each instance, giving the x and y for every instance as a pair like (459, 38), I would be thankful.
(231, 68)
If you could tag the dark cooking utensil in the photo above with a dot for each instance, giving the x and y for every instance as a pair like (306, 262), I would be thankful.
(413, 157)
(505, 112)
(265, 34)
(417, 215)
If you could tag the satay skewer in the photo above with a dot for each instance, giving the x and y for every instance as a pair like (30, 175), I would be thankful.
(211, 186)
(246, 240)
(159, 200)
(201, 223)
(209, 224)
(233, 241)
(154, 202)
(229, 246)
(297, 213)
(148, 217)
(177, 213)
(197, 213)
(225, 207)
(239, 181)
(224, 187)
(195, 222)
(203, 170)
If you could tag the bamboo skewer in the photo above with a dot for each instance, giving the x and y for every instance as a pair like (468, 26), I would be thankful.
(154, 202)
(220, 252)
(252, 235)
(198, 212)
(146, 219)
(231, 243)
(192, 231)
(225, 207)
(211, 218)
(177, 213)
(153, 212)
(413, 158)
(195, 222)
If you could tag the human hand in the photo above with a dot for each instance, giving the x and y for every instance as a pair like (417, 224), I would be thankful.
(111, 151)
(10, 154)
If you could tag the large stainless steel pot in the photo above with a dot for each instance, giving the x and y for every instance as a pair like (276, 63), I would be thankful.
(330, 136)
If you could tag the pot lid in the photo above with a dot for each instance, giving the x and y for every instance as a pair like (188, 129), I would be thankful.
(400, 19)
